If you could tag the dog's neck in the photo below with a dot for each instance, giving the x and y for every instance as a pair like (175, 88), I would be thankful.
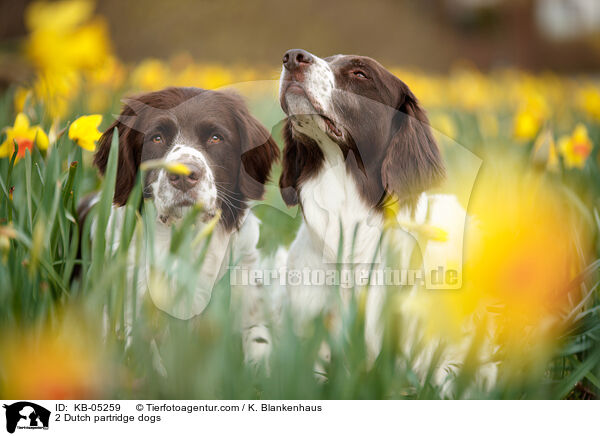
(334, 208)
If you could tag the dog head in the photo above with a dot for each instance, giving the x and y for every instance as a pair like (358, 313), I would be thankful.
(229, 154)
(357, 104)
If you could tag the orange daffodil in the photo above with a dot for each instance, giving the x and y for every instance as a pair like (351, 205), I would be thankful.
(84, 131)
(25, 136)
(576, 148)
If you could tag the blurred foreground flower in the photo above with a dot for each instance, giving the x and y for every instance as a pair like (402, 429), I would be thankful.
(576, 148)
(25, 137)
(51, 364)
(520, 258)
(524, 256)
(84, 131)
(172, 167)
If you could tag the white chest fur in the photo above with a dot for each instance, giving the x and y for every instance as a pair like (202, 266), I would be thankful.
(154, 267)
(334, 209)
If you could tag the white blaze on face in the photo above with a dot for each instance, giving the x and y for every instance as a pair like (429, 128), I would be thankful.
(319, 84)
(170, 201)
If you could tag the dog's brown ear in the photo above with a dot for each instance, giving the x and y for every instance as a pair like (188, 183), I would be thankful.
(290, 167)
(301, 158)
(258, 154)
(130, 152)
(413, 162)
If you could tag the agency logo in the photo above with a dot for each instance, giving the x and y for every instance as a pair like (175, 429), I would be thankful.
(26, 415)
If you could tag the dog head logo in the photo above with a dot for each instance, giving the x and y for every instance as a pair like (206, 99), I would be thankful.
(26, 415)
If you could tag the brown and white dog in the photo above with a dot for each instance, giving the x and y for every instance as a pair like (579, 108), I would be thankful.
(229, 155)
(356, 135)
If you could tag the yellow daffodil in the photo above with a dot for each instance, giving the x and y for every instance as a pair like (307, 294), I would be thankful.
(85, 48)
(64, 36)
(25, 137)
(65, 41)
(534, 111)
(57, 89)
(84, 131)
(576, 148)
(526, 125)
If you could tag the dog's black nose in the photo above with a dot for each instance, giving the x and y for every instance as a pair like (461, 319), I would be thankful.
(186, 182)
(297, 58)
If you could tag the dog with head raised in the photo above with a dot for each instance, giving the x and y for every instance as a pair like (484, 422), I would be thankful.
(357, 138)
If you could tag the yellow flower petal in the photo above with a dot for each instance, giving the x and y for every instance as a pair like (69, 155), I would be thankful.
(21, 126)
(172, 167)
(426, 231)
(433, 232)
(84, 131)
(6, 149)
(41, 139)
(177, 168)
(24, 135)
(86, 145)
(575, 149)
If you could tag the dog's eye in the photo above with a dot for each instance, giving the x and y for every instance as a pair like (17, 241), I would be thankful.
(215, 139)
(360, 74)
(157, 139)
